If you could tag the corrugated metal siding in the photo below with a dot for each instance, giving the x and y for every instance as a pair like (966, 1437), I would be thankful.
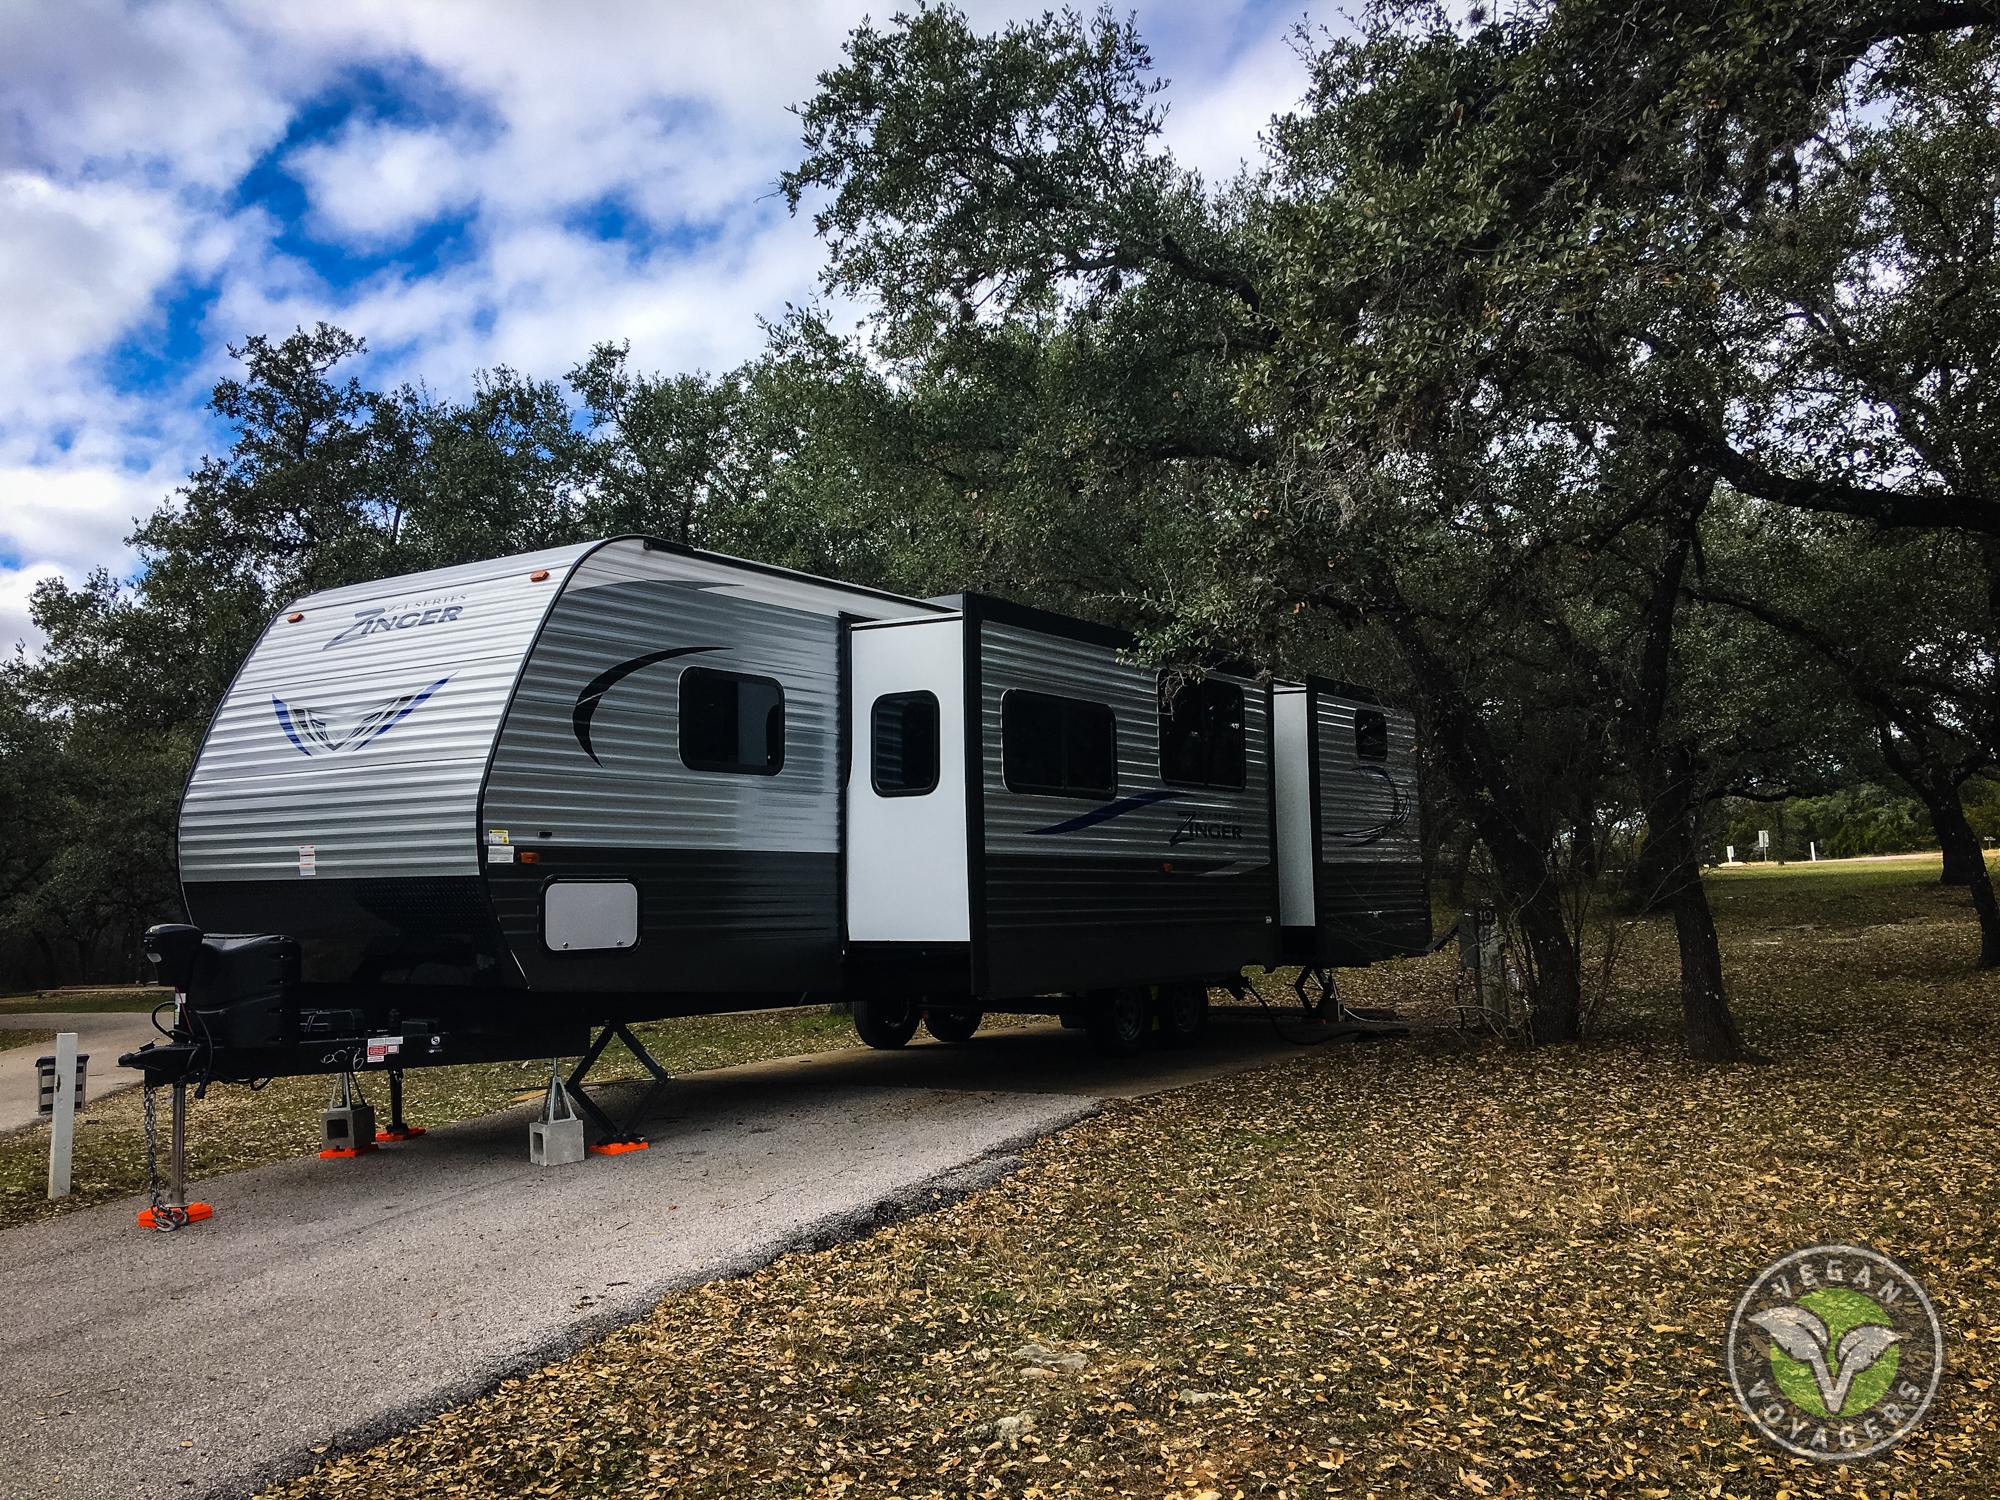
(625, 603)
(1097, 905)
(1368, 808)
(1370, 898)
(738, 874)
(398, 803)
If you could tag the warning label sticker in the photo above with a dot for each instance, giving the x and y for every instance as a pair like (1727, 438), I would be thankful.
(381, 1048)
(308, 860)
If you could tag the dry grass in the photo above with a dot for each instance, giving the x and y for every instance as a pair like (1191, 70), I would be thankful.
(1418, 1268)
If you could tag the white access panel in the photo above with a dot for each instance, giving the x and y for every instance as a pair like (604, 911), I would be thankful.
(906, 865)
(1291, 762)
(578, 915)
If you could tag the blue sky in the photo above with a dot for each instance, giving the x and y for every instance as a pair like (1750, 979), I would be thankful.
(463, 184)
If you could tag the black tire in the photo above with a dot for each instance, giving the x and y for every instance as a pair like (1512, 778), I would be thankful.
(954, 1026)
(1183, 1013)
(1120, 1021)
(885, 1024)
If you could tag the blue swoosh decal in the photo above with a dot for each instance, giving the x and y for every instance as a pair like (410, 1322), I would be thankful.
(285, 723)
(372, 725)
(1109, 811)
(401, 714)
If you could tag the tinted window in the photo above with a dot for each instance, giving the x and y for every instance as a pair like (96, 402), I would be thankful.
(1058, 747)
(904, 761)
(730, 722)
(1201, 734)
(1371, 735)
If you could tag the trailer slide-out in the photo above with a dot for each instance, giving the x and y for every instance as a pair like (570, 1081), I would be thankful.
(476, 813)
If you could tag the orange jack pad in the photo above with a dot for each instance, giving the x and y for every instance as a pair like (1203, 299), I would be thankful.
(618, 1148)
(196, 1212)
(407, 1133)
(344, 1152)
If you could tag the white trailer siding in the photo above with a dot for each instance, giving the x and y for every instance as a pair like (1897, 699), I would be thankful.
(360, 732)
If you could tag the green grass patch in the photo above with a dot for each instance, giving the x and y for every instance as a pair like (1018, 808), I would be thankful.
(132, 997)
(1431, 1267)
(9, 1040)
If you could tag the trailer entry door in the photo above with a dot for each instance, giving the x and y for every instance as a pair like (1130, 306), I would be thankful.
(905, 854)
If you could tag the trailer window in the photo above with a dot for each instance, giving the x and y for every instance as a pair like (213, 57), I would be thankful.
(1201, 733)
(730, 722)
(904, 760)
(1058, 747)
(1371, 735)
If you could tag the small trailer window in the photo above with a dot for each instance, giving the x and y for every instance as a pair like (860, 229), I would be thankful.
(1371, 735)
(1201, 734)
(1058, 747)
(904, 761)
(730, 722)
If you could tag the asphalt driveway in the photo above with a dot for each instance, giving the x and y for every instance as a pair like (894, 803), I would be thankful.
(329, 1303)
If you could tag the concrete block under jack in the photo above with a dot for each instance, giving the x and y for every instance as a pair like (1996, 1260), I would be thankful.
(555, 1143)
(347, 1128)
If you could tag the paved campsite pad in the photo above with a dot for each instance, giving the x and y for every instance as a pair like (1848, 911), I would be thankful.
(332, 1302)
(102, 1036)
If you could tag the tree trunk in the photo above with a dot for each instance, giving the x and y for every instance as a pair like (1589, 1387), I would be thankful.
(1956, 835)
(1461, 868)
(1918, 765)
(1707, 1027)
(1962, 865)
(1557, 992)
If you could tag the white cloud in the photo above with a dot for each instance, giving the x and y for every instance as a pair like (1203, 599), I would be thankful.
(61, 518)
(130, 127)
(78, 264)
(373, 183)
(1215, 128)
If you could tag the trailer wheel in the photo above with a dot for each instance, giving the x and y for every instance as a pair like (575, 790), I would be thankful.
(954, 1026)
(1119, 1021)
(885, 1024)
(1183, 1013)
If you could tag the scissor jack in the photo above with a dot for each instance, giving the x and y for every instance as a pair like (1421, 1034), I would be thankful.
(620, 1135)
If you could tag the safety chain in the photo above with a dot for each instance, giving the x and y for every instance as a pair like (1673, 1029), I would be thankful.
(166, 1219)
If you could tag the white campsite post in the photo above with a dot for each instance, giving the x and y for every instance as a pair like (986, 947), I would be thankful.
(1812, 850)
(62, 1123)
(1729, 854)
(1764, 841)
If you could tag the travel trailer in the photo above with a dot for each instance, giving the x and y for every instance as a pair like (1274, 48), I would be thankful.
(487, 811)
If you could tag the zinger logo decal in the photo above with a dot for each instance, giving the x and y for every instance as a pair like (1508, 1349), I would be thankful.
(407, 614)
(1196, 826)
(312, 733)
(588, 701)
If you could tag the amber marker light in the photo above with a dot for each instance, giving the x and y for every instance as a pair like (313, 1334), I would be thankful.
(295, 618)
(529, 857)
(540, 575)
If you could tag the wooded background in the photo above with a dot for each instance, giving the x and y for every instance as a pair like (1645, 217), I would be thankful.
(1613, 384)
